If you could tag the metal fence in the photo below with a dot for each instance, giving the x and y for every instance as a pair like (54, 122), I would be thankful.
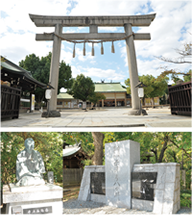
(10, 101)
(180, 97)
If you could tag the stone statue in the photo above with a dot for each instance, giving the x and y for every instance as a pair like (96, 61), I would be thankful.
(29, 166)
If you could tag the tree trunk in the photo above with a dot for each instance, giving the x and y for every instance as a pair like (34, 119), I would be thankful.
(155, 153)
(163, 149)
(152, 102)
(98, 143)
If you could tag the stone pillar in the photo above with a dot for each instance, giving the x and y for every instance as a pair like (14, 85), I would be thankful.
(119, 160)
(133, 72)
(54, 68)
(115, 100)
(102, 102)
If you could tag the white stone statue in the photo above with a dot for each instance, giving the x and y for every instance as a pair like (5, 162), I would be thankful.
(29, 166)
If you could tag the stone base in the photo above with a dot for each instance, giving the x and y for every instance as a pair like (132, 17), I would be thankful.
(98, 198)
(134, 112)
(52, 113)
(26, 200)
(144, 112)
(142, 205)
(16, 189)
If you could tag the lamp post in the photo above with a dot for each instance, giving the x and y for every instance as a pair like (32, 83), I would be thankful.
(140, 87)
(48, 95)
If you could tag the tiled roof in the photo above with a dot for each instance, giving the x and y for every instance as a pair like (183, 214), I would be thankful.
(109, 87)
(70, 150)
(64, 96)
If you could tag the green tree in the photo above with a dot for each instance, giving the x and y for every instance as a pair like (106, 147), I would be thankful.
(154, 86)
(82, 88)
(175, 75)
(40, 70)
(95, 97)
(188, 78)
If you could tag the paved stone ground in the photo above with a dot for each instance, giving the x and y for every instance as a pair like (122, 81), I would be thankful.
(108, 117)
(81, 207)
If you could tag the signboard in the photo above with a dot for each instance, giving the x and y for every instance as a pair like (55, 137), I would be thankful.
(42, 210)
(48, 94)
(140, 92)
(16, 210)
(32, 101)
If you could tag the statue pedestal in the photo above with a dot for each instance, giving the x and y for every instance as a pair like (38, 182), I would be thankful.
(43, 199)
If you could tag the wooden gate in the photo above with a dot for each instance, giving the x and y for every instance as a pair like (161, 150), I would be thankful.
(10, 101)
(180, 97)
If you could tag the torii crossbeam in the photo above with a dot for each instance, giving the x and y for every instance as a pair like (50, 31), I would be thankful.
(93, 22)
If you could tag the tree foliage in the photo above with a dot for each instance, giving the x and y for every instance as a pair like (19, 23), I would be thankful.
(95, 97)
(82, 88)
(175, 75)
(188, 76)
(154, 86)
(40, 70)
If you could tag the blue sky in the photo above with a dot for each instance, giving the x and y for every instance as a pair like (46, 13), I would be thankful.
(170, 30)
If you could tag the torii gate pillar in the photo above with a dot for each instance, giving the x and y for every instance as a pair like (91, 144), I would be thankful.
(133, 72)
(54, 70)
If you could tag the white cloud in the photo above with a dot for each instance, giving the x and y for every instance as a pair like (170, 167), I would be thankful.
(109, 7)
(18, 31)
(98, 73)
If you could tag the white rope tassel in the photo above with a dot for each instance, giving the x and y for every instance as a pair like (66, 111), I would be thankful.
(74, 51)
(112, 48)
(84, 49)
(102, 49)
(92, 49)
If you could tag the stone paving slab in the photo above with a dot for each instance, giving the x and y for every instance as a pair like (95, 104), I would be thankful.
(109, 117)
(88, 207)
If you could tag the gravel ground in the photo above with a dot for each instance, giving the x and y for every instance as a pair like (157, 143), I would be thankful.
(81, 207)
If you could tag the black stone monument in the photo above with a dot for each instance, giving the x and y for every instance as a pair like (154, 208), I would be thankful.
(143, 185)
(97, 184)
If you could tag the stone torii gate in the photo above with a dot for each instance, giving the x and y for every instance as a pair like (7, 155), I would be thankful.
(93, 22)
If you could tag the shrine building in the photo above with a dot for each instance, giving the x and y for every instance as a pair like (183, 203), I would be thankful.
(116, 95)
